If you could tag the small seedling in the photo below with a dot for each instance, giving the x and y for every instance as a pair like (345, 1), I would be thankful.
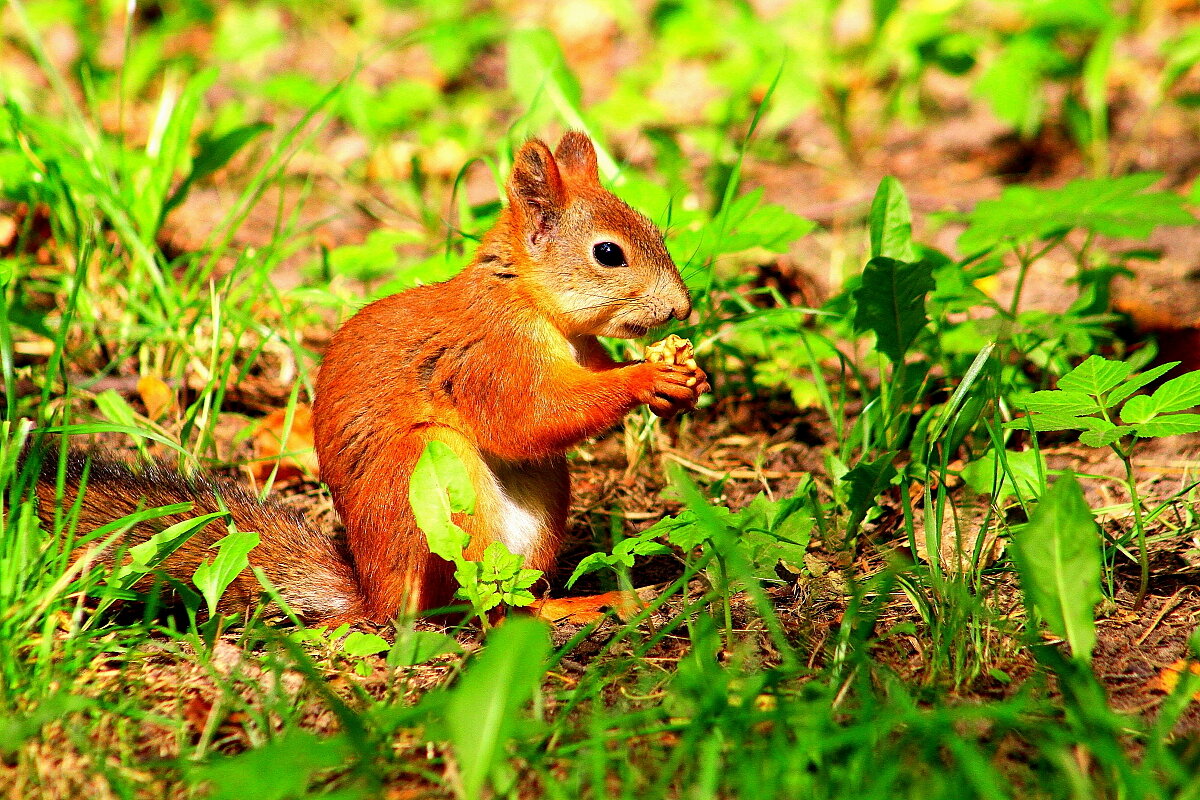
(441, 487)
(1097, 399)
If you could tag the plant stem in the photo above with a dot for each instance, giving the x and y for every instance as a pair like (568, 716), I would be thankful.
(726, 606)
(1024, 262)
(1022, 271)
(1139, 527)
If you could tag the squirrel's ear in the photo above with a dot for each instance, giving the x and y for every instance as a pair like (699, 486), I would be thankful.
(535, 189)
(576, 157)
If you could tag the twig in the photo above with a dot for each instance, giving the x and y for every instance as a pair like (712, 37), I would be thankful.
(740, 474)
(1167, 608)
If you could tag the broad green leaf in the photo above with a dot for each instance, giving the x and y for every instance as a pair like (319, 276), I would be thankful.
(438, 488)
(499, 563)
(215, 152)
(418, 647)
(1108, 206)
(1138, 409)
(297, 89)
(687, 532)
(536, 65)
(502, 578)
(484, 711)
(1023, 476)
(866, 480)
(1177, 394)
(439, 471)
(1058, 558)
(516, 591)
(774, 531)
(1097, 424)
(18, 728)
(213, 577)
(1085, 15)
(374, 258)
(284, 767)
(16, 172)
(766, 551)
(795, 529)
(1103, 438)
(891, 222)
(749, 223)
(1053, 421)
(247, 33)
(1095, 376)
(1012, 83)
(1170, 425)
(1060, 401)
(891, 302)
(1132, 384)
(115, 408)
(639, 546)
(147, 555)
(446, 541)
(470, 587)
(590, 563)
(360, 644)
(769, 226)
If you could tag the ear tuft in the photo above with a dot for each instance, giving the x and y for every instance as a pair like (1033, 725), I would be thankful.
(535, 188)
(576, 156)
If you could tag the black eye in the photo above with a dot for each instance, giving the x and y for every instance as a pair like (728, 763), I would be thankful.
(609, 254)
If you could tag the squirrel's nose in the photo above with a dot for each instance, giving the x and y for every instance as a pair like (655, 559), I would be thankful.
(682, 308)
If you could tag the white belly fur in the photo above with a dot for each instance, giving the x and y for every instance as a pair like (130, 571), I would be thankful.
(520, 527)
(527, 497)
(523, 517)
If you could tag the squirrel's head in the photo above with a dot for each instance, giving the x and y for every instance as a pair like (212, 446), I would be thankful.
(599, 265)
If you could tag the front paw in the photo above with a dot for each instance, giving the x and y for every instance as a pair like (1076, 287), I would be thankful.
(670, 389)
(677, 351)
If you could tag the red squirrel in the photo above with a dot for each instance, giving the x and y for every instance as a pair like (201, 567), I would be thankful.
(501, 363)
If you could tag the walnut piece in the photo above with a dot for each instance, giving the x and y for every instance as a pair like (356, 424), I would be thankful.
(673, 350)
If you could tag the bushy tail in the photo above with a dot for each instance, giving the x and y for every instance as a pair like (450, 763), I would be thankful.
(312, 572)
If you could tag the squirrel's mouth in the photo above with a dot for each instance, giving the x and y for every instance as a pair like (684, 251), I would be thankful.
(624, 330)
(636, 330)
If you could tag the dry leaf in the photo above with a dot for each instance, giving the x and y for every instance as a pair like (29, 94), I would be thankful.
(38, 346)
(962, 528)
(8, 231)
(301, 459)
(989, 285)
(583, 610)
(1168, 678)
(196, 710)
(158, 397)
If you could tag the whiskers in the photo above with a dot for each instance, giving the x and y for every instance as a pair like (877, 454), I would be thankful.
(606, 302)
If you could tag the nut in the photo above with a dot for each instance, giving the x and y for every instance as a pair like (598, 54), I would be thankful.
(672, 350)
